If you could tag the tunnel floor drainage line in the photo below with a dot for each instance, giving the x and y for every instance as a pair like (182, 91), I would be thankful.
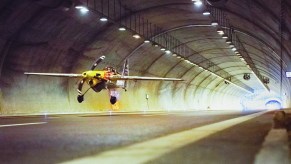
(152, 149)
(24, 124)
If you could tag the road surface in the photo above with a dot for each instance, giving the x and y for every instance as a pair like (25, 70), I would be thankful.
(158, 137)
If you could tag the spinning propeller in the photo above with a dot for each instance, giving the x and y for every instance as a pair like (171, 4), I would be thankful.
(80, 96)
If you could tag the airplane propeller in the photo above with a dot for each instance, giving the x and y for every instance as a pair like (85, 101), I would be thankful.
(80, 96)
(99, 60)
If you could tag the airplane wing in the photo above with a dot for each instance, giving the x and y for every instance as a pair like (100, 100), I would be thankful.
(55, 74)
(143, 78)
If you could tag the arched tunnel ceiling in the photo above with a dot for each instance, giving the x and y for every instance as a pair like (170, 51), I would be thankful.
(53, 36)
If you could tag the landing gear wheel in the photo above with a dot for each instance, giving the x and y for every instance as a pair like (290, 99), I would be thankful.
(113, 100)
(80, 98)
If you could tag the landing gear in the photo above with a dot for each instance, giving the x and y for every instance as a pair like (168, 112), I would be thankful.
(113, 100)
(80, 98)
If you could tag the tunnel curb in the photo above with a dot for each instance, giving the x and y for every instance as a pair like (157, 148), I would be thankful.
(276, 147)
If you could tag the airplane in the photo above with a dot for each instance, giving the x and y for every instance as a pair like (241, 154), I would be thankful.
(106, 79)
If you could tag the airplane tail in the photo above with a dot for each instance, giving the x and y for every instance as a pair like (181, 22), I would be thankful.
(125, 72)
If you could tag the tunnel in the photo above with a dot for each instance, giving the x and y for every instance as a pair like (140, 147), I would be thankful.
(226, 52)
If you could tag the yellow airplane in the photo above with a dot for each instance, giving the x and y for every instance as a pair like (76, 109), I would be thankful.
(108, 79)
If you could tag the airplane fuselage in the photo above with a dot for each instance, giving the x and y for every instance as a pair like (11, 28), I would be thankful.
(99, 80)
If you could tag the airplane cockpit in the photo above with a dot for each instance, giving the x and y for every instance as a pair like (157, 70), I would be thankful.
(111, 70)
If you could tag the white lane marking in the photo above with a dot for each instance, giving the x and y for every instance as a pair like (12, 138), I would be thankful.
(24, 124)
(152, 149)
(50, 117)
(148, 115)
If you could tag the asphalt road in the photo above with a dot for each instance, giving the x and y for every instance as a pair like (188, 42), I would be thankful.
(141, 138)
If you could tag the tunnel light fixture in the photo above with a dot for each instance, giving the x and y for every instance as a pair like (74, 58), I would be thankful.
(233, 49)
(155, 44)
(231, 45)
(214, 23)
(198, 3)
(174, 54)
(163, 49)
(79, 5)
(220, 31)
(122, 28)
(81, 8)
(288, 74)
(167, 51)
(103, 19)
(206, 13)
(146, 41)
(179, 57)
(224, 36)
(228, 41)
(136, 36)
(84, 10)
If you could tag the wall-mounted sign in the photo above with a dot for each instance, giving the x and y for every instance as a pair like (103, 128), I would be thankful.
(288, 74)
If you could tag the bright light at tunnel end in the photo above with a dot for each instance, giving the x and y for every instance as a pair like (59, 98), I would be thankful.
(262, 100)
(273, 104)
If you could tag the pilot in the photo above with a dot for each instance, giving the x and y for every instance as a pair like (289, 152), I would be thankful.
(110, 69)
(114, 71)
